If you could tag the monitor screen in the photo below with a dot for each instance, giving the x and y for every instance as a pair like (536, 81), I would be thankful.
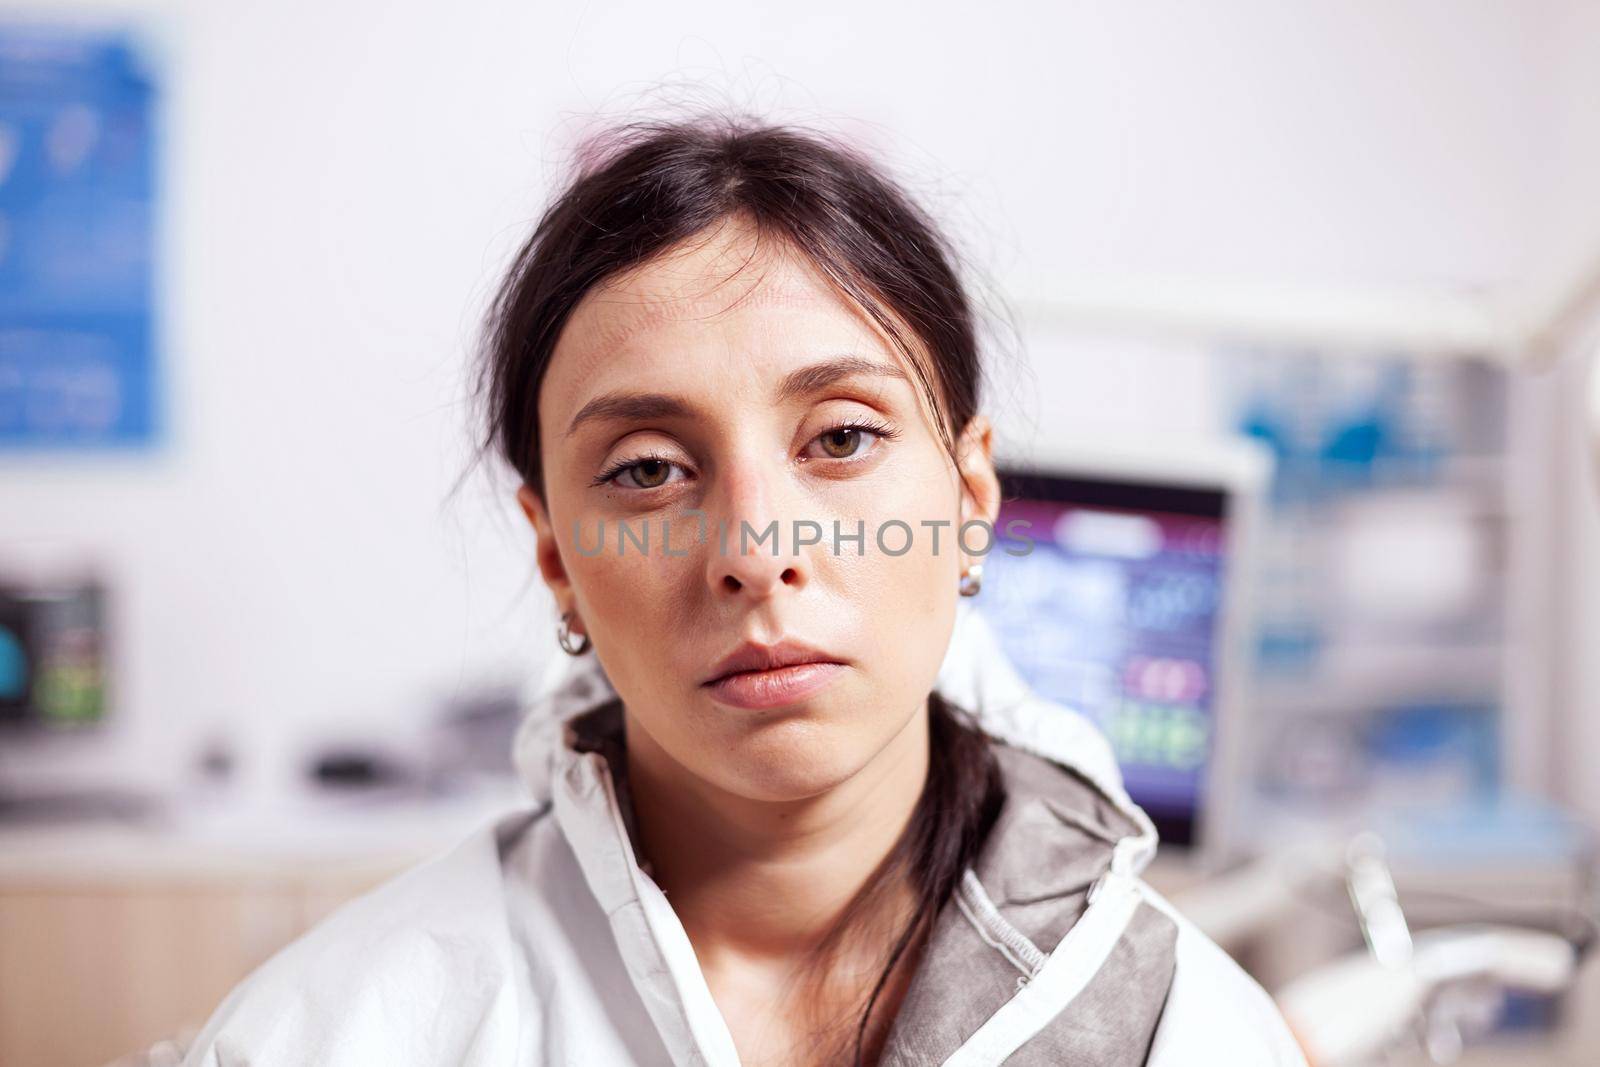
(52, 656)
(1114, 611)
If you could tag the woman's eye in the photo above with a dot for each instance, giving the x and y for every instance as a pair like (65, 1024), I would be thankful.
(841, 443)
(651, 472)
(846, 442)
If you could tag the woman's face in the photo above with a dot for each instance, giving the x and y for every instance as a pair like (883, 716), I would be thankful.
(711, 378)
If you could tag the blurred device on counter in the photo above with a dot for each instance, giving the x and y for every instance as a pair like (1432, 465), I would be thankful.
(463, 746)
(52, 655)
(1129, 608)
(474, 733)
(54, 686)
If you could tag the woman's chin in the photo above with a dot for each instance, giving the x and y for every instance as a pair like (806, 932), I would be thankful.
(790, 759)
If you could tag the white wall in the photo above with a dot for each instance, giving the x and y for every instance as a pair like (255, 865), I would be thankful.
(1570, 220)
(347, 178)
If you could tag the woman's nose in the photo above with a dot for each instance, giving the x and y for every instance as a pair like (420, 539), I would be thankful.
(756, 554)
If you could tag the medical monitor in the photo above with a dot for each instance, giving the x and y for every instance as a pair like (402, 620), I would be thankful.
(1128, 608)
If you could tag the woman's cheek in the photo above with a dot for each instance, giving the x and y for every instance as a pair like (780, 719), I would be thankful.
(630, 602)
(626, 586)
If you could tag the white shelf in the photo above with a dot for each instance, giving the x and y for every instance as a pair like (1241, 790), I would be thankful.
(1437, 323)
(1511, 326)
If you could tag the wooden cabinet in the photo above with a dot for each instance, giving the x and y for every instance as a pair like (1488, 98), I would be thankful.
(112, 939)
(91, 973)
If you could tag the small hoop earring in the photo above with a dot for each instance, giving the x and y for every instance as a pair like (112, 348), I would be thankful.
(972, 580)
(564, 637)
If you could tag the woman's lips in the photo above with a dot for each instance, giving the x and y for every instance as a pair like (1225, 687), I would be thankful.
(776, 687)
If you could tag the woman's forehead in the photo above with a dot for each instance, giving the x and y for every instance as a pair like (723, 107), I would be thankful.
(711, 306)
(707, 280)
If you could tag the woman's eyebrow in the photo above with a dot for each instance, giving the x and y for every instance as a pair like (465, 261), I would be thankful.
(795, 385)
(631, 406)
(818, 376)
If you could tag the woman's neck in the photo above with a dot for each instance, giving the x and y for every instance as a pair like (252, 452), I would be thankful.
(759, 880)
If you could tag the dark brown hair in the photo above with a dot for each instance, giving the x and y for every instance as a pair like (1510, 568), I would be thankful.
(638, 190)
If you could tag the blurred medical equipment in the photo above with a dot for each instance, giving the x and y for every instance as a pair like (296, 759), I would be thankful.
(52, 654)
(55, 692)
(1437, 983)
(1396, 624)
(1437, 989)
(464, 743)
(1385, 644)
(1117, 585)
(1482, 886)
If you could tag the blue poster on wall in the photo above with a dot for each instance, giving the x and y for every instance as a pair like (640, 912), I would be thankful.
(77, 184)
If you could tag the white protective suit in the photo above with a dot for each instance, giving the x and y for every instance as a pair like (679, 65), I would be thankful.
(539, 940)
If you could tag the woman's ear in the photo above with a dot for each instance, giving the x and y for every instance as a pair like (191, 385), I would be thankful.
(547, 552)
(980, 485)
(980, 489)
